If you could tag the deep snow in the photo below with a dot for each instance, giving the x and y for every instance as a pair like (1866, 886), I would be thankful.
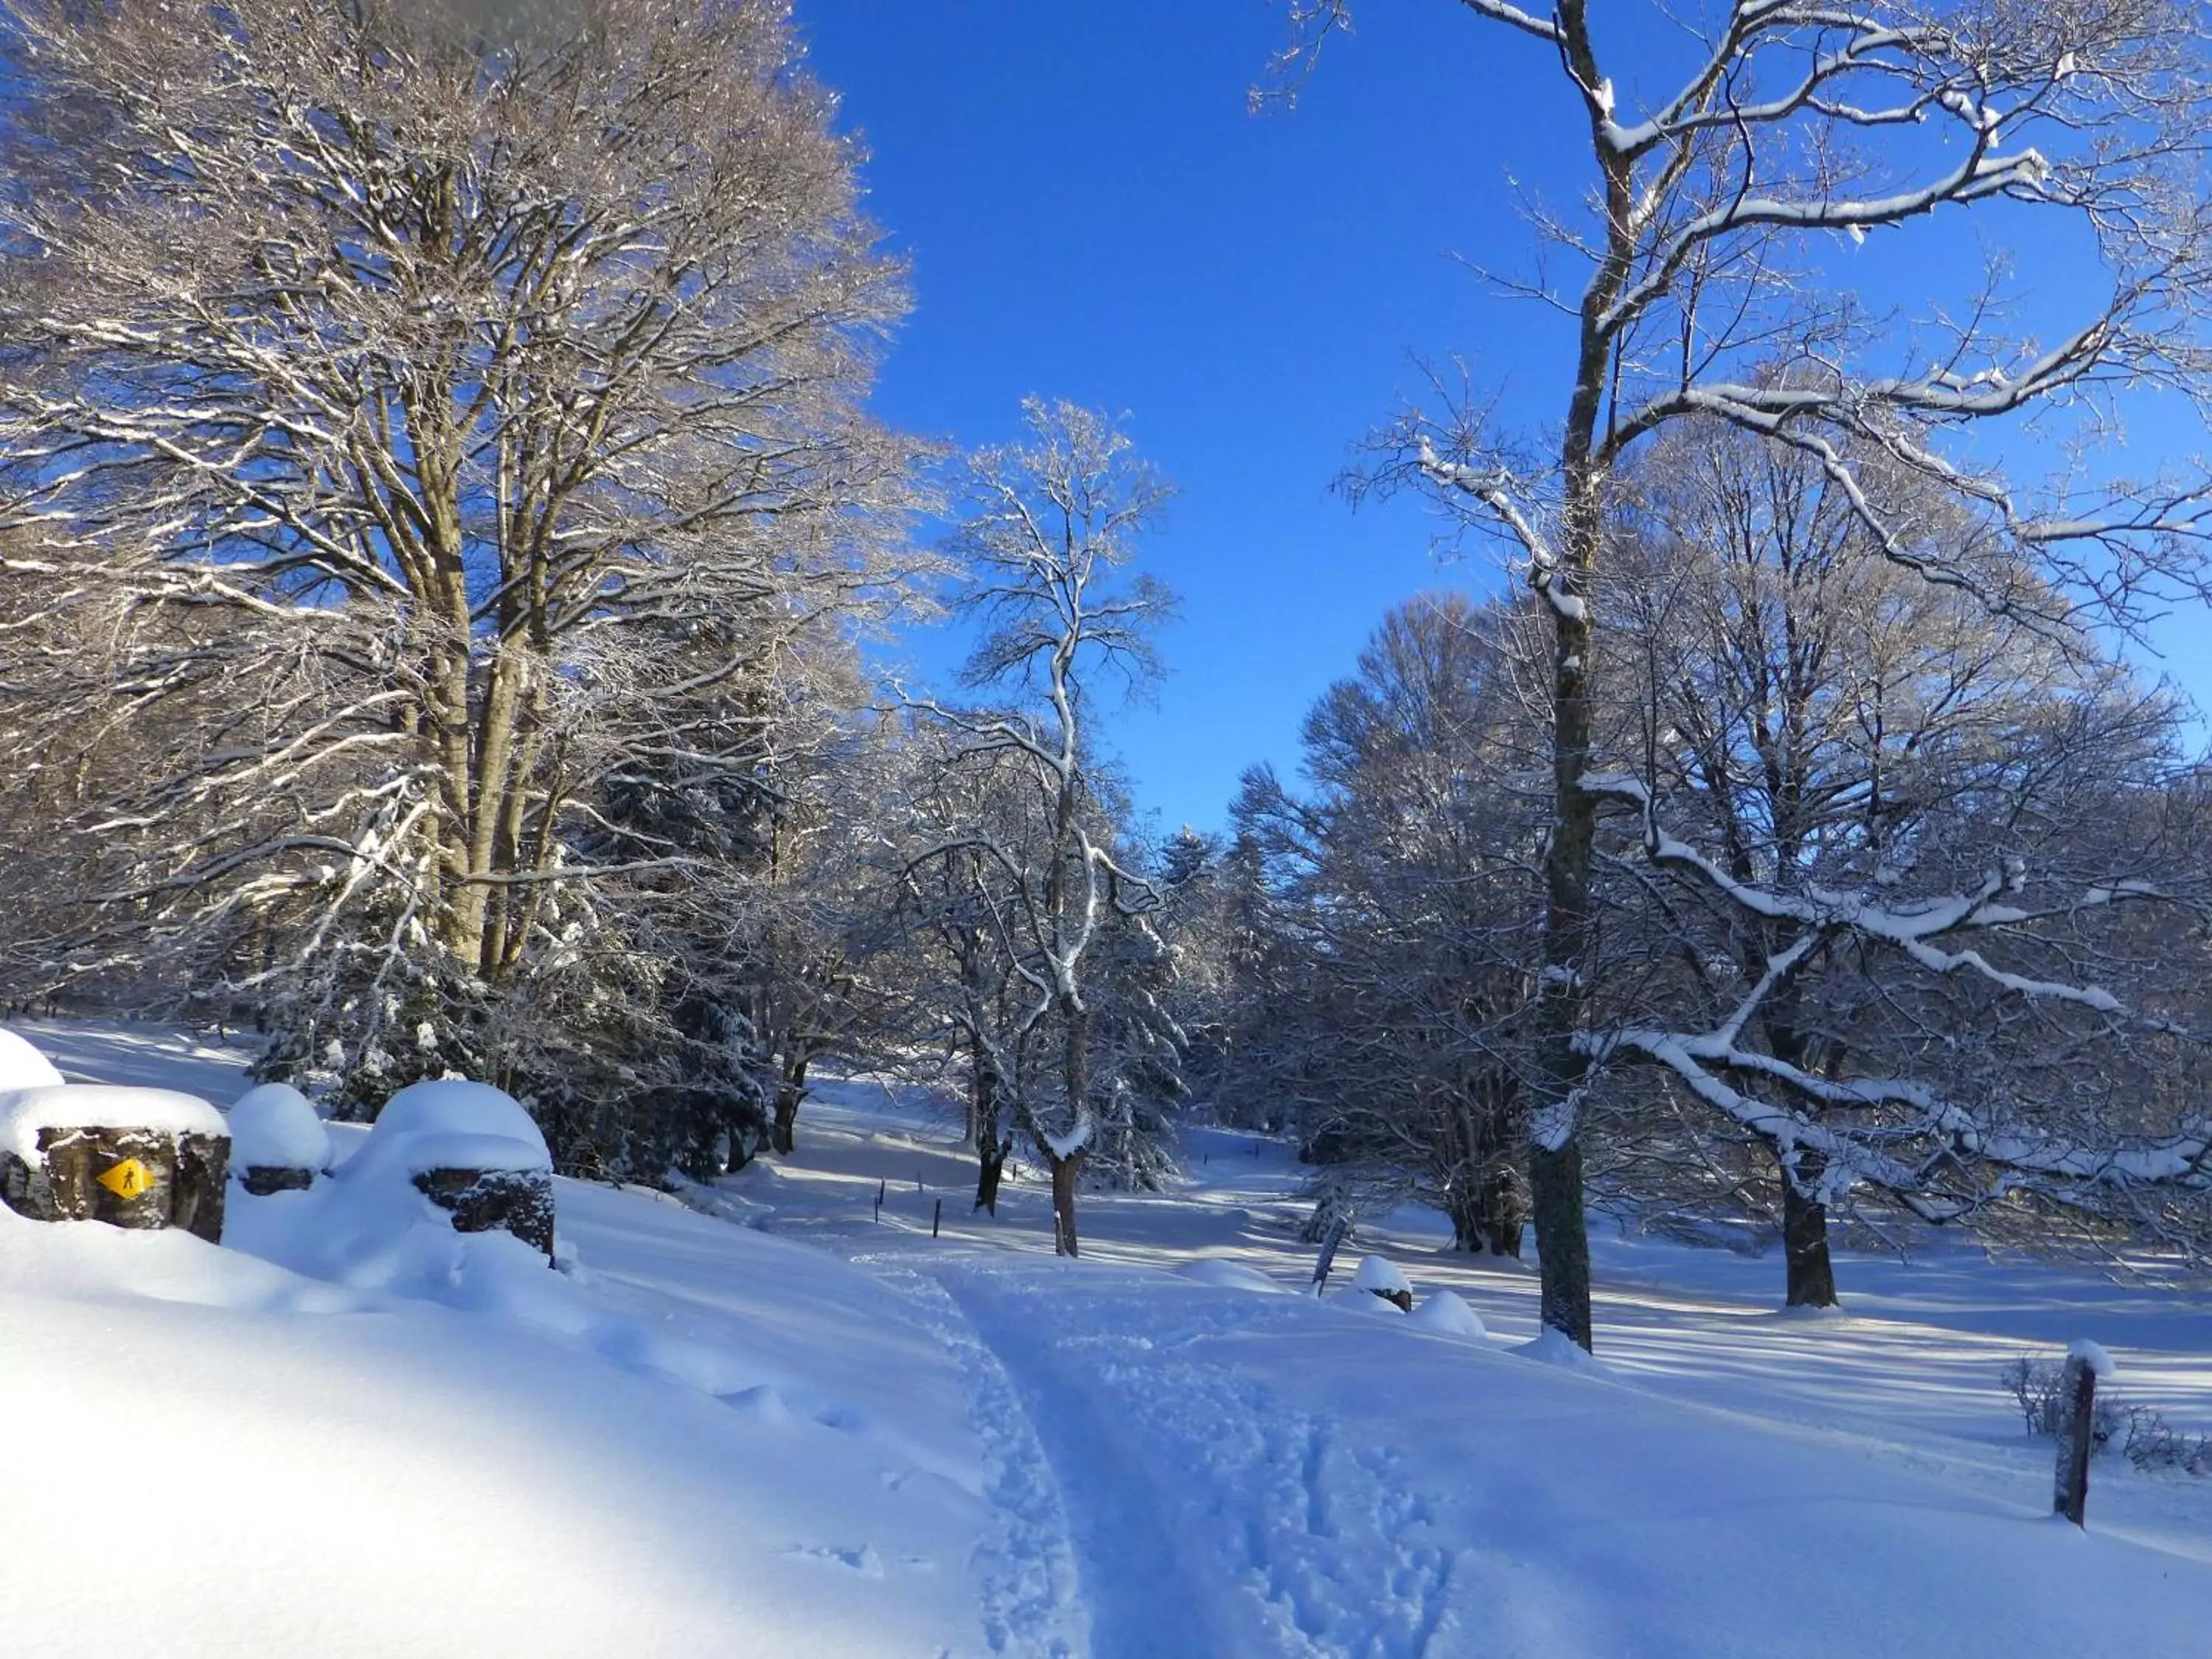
(811, 1433)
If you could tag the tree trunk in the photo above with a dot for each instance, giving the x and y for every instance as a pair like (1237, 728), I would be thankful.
(991, 1147)
(990, 1165)
(493, 758)
(1555, 1158)
(1555, 1191)
(1812, 1276)
(1809, 1275)
(1564, 573)
(1075, 1073)
(1064, 1171)
(1463, 1204)
(1502, 1211)
(790, 1090)
(1485, 1208)
(1555, 1155)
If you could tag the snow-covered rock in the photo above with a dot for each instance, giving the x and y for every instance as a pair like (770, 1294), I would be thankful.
(273, 1127)
(1446, 1313)
(1374, 1273)
(1382, 1280)
(447, 1124)
(457, 1156)
(22, 1067)
(25, 1112)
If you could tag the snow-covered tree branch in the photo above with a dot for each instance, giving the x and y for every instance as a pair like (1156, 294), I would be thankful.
(1050, 527)
(1714, 248)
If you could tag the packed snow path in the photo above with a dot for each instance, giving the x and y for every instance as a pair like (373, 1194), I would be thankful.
(1209, 1521)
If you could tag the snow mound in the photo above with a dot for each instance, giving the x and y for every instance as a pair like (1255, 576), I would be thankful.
(1376, 1274)
(25, 1112)
(1556, 1348)
(1807, 1314)
(273, 1126)
(1228, 1275)
(372, 1227)
(449, 1125)
(22, 1067)
(1446, 1313)
(1352, 1299)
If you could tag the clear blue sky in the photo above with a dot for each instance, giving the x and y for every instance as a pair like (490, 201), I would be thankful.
(1092, 213)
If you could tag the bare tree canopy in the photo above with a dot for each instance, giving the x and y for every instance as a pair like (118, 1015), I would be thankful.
(458, 410)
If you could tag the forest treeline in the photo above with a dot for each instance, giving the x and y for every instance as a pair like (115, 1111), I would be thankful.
(446, 544)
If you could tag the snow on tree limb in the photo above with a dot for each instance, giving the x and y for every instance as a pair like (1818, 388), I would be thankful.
(1715, 1063)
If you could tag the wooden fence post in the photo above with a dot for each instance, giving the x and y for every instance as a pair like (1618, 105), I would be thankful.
(937, 1220)
(2077, 1405)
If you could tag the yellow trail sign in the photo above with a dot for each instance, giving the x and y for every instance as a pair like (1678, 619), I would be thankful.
(127, 1179)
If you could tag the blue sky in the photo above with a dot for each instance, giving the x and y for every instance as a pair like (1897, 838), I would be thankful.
(1092, 213)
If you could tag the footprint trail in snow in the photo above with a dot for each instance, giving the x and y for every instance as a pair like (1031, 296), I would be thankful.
(1209, 1520)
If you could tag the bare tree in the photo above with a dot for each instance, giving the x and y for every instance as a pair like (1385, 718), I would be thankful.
(1819, 723)
(1710, 239)
(500, 389)
(1051, 525)
(1405, 866)
(961, 898)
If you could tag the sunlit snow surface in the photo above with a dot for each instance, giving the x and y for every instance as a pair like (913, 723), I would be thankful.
(841, 1437)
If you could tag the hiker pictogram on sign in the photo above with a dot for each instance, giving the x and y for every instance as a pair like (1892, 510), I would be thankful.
(127, 1179)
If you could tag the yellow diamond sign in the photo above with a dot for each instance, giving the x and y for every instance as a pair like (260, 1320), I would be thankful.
(127, 1179)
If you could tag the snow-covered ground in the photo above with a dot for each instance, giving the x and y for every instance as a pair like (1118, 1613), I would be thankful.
(815, 1432)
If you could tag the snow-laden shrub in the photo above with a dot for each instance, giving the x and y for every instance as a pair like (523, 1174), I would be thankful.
(2153, 1444)
(2037, 1387)
(1335, 1212)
